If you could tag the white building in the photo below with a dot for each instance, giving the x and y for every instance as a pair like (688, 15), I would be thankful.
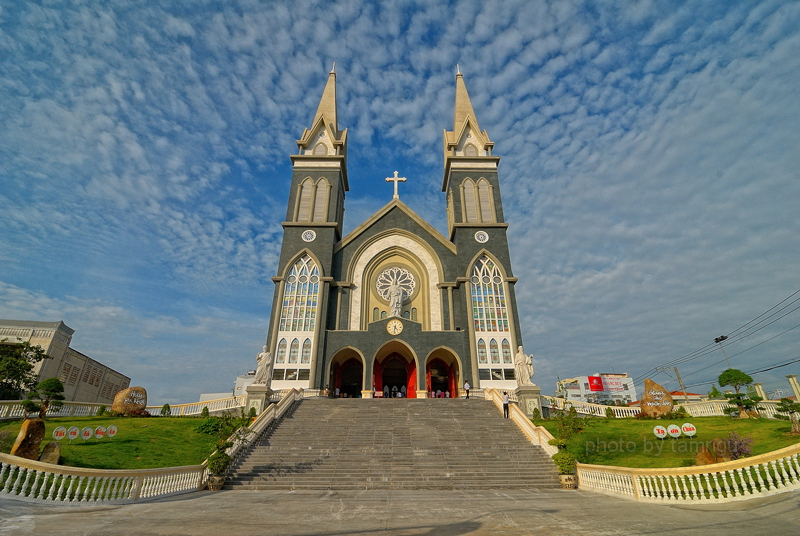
(605, 388)
(84, 379)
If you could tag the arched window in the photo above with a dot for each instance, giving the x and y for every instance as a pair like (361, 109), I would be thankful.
(407, 314)
(320, 149)
(300, 296)
(507, 352)
(294, 350)
(494, 351)
(376, 314)
(281, 357)
(414, 314)
(304, 201)
(383, 315)
(306, 358)
(485, 200)
(321, 201)
(489, 311)
(470, 209)
(482, 352)
(470, 150)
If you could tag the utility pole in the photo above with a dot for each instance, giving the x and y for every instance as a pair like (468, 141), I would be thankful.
(680, 381)
(719, 340)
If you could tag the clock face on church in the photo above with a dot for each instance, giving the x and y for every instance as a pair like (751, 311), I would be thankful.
(394, 327)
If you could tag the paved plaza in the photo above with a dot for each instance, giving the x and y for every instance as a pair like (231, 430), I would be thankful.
(403, 513)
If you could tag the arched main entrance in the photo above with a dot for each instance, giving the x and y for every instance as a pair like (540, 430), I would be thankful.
(396, 370)
(442, 373)
(347, 374)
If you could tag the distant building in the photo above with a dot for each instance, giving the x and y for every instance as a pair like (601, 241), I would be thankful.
(608, 388)
(84, 379)
(239, 387)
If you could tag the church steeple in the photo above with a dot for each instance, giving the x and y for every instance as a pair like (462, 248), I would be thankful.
(324, 137)
(327, 104)
(463, 108)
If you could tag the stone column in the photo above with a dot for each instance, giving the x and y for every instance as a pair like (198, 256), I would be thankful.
(258, 397)
(760, 391)
(529, 398)
(795, 386)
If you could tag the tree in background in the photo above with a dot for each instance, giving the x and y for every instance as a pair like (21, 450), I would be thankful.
(17, 362)
(792, 409)
(735, 378)
(715, 394)
(48, 393)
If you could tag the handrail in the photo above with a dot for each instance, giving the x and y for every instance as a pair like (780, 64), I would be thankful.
(196, 408)
(707, 408)
(757, 476)
(12, 409)
(538, 435)
(33, 481)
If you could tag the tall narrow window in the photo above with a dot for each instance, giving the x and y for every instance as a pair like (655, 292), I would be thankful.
(300, 296)
(321, 201)
(281, 357)
(470, 212)
(507, 359)
(489, 311)
(485, 199)
(304, 203)
(414, 314)
(294, 349)
(494, 351)
(482, 352)
(376, 314)
(306, 358)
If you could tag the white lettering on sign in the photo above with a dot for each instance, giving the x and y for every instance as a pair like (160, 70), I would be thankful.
(134, 397)
(658, 399)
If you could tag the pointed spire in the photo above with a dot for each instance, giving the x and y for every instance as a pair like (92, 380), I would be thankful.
(327, 104)
(463, 104)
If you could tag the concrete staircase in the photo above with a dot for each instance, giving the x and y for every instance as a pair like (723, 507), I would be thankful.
(393, 444)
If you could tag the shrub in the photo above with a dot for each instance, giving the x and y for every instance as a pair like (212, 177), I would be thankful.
(204, 413)
(218, 462)
(738, 446)
(565, 461)
(165, 410)
(101, 411)
(610, 413)
(252, 413)
(138, 413)
(536, 415)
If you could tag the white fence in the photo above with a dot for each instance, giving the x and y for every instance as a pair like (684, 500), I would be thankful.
(11, 409)
(747, 478)
(196, 408)
(708, 408)
(32, 481)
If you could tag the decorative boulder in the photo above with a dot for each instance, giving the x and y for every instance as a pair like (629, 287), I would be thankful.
(29, 439)
(704, 457)
(130, 400)
(51, 453)
(656, 401)
(721, 450)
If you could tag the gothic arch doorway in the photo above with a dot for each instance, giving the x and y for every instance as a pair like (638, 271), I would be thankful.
(395, 372)
(442, 374)
(347, 374)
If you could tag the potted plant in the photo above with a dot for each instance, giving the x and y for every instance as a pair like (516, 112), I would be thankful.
(568, 424)
(217, 465)
(565, 461)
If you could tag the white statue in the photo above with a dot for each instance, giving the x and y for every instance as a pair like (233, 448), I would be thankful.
(523, 367)
(264, 370)
(395, 299)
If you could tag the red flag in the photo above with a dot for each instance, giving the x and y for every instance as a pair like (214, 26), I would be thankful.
(595, 383)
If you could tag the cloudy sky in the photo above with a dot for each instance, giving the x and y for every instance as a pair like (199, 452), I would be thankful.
(650, 170)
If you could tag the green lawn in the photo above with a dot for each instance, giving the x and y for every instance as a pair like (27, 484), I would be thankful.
(139, 444)
(631, 442)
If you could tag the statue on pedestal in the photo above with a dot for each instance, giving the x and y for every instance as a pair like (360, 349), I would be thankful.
(523, 367)
(395, 299)
(264, 370)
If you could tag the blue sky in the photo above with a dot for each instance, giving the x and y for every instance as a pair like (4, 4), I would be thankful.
(649, 169)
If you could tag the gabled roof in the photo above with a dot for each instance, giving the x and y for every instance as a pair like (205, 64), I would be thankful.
(399, 205)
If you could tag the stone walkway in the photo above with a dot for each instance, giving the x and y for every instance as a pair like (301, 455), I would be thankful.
(403, 513)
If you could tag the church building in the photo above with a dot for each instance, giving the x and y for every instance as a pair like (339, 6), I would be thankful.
(394, 303)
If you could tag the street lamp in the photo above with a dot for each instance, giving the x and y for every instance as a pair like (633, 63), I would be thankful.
(719, 340)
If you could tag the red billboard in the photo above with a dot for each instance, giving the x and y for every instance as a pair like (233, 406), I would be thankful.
(595, 383)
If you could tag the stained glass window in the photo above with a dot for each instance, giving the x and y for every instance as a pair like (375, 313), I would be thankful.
(300, 296)
(306, 358)
(293, 351)
(489, 311)
(281, 357)
(507, 352)
(482, 352)
(494, 351)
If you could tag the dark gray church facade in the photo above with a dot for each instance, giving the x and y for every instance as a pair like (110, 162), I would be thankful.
(394, 305)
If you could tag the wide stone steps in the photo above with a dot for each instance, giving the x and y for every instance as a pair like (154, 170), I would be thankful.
(393, 444)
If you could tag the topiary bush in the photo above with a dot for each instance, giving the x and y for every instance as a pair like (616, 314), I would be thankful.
(166, 411)
(204, 413)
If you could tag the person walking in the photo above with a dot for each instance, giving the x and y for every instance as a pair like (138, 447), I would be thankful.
(505, 404)
(466, 388)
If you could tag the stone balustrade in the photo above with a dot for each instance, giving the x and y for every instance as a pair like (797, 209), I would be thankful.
(11, 409)
(587, 408)
(709, 408)
(196, 408)
(758, 476)
(538, 435)
(33, 481)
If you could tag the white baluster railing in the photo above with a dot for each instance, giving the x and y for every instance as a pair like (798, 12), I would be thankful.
(747, 478)
(33, 481)
(537, 435)
(709, 408)
(196, 408)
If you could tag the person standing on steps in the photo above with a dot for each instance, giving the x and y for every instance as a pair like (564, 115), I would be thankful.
(466, 388)
(505, 404)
